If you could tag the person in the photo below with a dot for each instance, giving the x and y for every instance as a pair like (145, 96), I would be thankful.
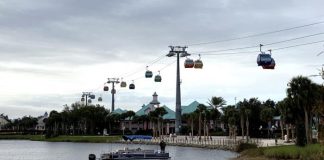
(162, 146)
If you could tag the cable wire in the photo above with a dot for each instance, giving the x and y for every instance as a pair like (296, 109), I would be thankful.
(267, 44)
(258, 34)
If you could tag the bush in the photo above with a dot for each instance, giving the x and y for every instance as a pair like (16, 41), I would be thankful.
(309, 152)
(244, 146)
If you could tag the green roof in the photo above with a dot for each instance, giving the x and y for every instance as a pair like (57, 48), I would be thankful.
(119, 111)
(190, 108)
(170, 114)
(142, 110)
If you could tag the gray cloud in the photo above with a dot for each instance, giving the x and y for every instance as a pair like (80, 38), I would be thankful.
(60, 37)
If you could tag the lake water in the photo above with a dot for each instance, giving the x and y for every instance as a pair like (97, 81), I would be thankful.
(34, 150)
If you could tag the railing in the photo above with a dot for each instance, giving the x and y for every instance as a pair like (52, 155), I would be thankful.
(215, 142)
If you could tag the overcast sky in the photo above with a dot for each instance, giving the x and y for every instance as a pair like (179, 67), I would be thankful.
(51, 51)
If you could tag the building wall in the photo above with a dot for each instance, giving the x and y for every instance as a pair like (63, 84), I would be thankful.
(3, 122)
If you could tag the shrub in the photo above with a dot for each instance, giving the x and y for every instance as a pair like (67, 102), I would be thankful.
(244, 146)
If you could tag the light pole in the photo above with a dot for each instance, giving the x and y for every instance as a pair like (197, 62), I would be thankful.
(179, 51)
(113, 91)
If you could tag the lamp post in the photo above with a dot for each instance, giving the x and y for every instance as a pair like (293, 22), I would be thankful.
(113, 91)
(178, 51)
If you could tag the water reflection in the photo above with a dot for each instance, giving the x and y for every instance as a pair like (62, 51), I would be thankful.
(33, 150)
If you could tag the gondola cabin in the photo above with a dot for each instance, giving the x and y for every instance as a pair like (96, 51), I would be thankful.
(92, 96)
(100, 99)
(89, 101)
(158, 78)
(123, 84)
(271, 66)
(106, 88)
(189, 63)
(132, 86)
(198, 64)
(148, 74)
(264, 59)
(82, 99)
(113, 91)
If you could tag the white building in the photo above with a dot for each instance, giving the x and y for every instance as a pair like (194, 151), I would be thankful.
(40, 122)
(3, 122)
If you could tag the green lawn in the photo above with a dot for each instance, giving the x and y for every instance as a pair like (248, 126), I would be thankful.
(310, 152)
(93, 139)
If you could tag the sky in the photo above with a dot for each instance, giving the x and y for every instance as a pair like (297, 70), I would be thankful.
(52, 51)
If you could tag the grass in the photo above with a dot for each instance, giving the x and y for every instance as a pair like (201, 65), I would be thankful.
(23, 137)
(310, 152)
(92, 139)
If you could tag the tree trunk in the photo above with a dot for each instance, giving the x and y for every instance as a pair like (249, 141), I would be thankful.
(242, 126)
(307, 126)
(247, 129)
(199, 127)
(192, 127)
(287, 130)
(269, 126)
(204, 128)
(281, 127)
(310, 128)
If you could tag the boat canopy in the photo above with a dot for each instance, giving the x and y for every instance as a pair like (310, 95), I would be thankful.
(132, 137)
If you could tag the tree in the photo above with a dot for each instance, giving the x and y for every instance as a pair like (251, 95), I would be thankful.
(303, 93)
(241, 109)
(200, 109)
(266, 116)
(230, 118)
(216, 103)
(160, 112)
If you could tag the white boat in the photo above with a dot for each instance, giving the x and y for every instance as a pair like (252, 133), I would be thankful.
(127, 154)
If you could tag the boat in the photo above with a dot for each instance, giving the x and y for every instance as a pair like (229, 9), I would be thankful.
(126, 154)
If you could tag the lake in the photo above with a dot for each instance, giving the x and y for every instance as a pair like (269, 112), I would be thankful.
(36, 150)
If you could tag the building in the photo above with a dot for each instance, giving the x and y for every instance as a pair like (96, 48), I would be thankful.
(3, 121)
(168, 119)
(40, 122)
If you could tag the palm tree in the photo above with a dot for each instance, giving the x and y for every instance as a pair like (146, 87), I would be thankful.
(267, 115)
(216, 103)
(200, 109)
(153, 119)
(281, 106)
(241, 109)
(230, 118)
(189, 118)
(302, 92)
(160, 112)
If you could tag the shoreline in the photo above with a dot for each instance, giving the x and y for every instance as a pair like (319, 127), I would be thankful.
(109, 139)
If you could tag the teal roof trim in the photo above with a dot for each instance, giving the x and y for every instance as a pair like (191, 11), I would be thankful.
(190, 108)
(170, 114)
(142, 110)
(119, 111)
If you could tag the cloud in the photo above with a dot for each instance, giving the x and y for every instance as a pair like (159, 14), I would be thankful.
(50, 48)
